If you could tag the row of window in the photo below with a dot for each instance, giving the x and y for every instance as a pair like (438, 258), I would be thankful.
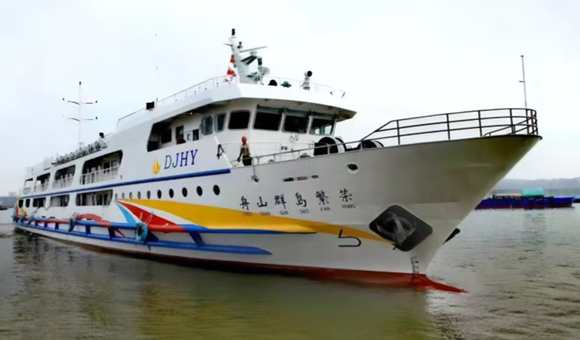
(103, 197)
(271, 119)
(94, 170)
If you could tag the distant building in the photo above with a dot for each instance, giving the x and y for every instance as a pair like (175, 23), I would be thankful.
(8, 201)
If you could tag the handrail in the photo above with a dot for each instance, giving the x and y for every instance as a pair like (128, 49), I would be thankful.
(228, 80)
(528, 125)
(99, 175)
(62, 183)
(529, 119)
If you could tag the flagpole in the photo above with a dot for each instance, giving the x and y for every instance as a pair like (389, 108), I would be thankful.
(524, 82)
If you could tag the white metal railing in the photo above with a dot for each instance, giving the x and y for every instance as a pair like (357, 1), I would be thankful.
(62, 183)
(290, 84)
(26, 191)
(443, 127)
(41, 187)
(82, 151)
(99, 175)
(277, 152)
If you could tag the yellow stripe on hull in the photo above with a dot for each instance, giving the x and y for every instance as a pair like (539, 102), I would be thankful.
(222, 218)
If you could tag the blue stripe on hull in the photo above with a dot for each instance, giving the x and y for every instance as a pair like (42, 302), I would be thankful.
(244, 250)
(149, 180)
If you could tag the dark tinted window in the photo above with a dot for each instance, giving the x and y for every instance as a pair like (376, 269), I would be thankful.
(239, 120)
(192, 135)
(207, 125)
(267, 121)
(220, 121)
(296, 124)
(179, 132)
(166, 136)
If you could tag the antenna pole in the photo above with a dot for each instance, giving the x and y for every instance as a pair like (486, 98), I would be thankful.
(80, 103)
(524, 82)
(80, 116)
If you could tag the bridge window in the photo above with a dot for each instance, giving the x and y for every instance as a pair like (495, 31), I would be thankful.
(267, 120)
(28, 203)
(296, 123)
(322, 126)
(166, 136)
(103, 197)
(59, 201)
(179, 135)
(239, 120)
(220, 122)
(207, 125)
(192, 135)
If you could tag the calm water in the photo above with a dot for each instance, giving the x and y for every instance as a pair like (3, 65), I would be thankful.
(521, 269)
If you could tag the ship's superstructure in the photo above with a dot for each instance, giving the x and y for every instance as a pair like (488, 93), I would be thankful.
(174, 179)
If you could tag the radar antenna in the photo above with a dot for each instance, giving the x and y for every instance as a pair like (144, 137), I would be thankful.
(243, 64)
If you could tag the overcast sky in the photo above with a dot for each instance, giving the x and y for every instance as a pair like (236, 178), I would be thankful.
(394, 60)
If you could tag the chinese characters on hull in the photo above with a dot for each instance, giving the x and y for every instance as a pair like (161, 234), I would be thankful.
(301, 202)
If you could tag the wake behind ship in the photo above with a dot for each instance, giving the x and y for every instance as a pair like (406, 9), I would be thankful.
(246, 170)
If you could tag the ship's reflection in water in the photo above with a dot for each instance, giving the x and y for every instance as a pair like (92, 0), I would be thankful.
(520, 269)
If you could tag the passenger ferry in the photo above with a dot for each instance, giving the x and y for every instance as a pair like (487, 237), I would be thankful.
(175, 179)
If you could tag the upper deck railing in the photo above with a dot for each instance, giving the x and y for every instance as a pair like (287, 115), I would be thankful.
(99, 175)
(460, 125)
(63, 182)
(424, 129)
(217, 82)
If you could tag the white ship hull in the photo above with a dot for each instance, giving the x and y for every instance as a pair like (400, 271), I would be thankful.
(440, 183)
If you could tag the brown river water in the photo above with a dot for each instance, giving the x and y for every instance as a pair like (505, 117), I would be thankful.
(521, 271)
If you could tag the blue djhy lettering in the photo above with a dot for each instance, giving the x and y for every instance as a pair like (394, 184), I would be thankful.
(184, 156)
(176, 160)
(180, 159)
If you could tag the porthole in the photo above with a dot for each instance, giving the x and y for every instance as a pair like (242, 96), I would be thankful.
(352, 168)
(148, 194)
(123, 196)
(199, 191)
(139, 195)
(216, 190)
(130, 195)
(159, 194)
(184, 192)
(171, 193)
